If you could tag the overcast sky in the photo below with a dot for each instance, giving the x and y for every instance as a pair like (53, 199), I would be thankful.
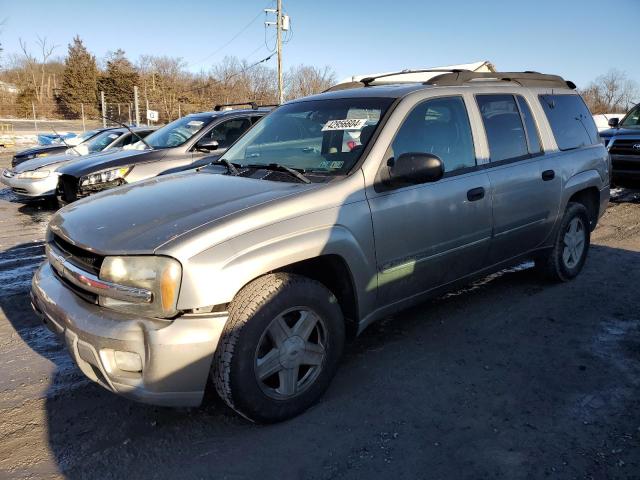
(578, 39)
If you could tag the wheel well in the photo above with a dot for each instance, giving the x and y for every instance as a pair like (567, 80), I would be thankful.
(590, 198)
(333, 272)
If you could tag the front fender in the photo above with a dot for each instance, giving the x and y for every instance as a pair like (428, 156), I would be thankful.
(216, 275)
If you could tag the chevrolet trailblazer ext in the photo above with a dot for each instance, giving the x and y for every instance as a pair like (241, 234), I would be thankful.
(253, 271)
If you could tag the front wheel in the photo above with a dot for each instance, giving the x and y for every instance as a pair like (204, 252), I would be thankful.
(566, 259)
(280, 347)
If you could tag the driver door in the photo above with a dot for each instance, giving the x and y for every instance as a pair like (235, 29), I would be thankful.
(435, 233)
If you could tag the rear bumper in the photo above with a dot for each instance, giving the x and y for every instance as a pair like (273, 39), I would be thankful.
(31, 188)
(176, 354)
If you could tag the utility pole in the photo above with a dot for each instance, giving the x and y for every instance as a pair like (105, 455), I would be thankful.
(279, 40)
(104, 110)
(136, 105)
(282, 24)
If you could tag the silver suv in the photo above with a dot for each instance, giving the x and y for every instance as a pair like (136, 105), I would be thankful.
(333, 211)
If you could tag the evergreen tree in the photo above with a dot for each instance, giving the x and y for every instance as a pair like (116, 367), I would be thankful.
(79, 82)
(119, 78)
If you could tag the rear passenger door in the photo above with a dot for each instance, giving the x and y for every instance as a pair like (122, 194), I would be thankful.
(524, 191)
(431, 234)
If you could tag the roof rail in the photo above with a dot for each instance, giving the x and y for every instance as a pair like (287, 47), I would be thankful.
(526, 79)
(367, 80)
(217, 108)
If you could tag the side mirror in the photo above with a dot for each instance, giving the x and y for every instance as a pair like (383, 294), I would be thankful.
(207, 145)
(614, 122)
(415, 168)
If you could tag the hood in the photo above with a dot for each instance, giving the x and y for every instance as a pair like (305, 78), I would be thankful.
(40, 149)
(140, 218)
(48, 161)
(110, 158)
(620, 132)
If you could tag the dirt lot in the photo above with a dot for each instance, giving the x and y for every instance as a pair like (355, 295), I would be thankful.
(510, 378)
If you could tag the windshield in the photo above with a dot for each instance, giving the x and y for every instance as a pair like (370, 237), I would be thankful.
(324, 136)
(85, 135)
(101, 141)
(632, 119)
(177, 132)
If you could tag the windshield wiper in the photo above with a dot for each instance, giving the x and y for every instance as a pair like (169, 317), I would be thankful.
(231, 168)
(281, 168)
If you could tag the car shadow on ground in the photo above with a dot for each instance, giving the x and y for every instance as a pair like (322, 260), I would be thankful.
(509, 377)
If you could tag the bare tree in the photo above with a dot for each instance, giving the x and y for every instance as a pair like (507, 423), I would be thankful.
(36, 67)
(306, 80)
(611, 92)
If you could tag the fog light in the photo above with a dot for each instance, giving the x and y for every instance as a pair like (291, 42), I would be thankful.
(128, 361)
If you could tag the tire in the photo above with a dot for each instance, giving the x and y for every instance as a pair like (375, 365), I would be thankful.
(556, 265)
(255, 343)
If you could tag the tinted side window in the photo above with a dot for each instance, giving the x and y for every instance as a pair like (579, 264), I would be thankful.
(570, 120)
(439, 126)
(503, 126)
(228, 132)
(533, 137)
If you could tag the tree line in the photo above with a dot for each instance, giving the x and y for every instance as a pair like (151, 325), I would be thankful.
(65, 86)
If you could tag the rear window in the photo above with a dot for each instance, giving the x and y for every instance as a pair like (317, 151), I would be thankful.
(570, 120)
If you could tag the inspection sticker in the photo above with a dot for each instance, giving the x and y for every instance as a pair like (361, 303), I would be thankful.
(346, 124)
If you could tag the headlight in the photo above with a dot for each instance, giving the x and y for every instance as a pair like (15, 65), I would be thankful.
(160, 275)
(34, 174)
(105, 176)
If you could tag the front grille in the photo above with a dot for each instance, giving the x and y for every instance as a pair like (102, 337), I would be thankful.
(88, 296)
(626, 165)
(68, 188)
(80, 257)
(623, 146)
(20, 190)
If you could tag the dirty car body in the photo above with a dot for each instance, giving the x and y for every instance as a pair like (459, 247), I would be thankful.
(371, 233)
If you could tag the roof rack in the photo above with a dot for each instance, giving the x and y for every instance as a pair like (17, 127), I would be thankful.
(217, 108)
(526, 79)
(366, 81)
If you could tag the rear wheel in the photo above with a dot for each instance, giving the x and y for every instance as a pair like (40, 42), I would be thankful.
(280, 347)
(566, 259)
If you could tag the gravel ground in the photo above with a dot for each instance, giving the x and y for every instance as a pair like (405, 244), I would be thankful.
(508, 378)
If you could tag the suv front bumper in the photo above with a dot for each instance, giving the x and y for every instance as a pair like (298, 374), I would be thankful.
(176, 355)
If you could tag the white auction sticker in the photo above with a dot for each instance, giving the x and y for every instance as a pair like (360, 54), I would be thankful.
(346, 124)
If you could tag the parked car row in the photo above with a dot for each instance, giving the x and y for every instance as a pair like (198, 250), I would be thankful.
(104, 160)
(38, 177)
(331, 212)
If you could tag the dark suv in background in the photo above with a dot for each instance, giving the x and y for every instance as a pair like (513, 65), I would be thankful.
(623, 142)
(185, 143)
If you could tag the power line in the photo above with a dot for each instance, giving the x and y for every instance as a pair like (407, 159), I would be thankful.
(244, 70)
(232, 38)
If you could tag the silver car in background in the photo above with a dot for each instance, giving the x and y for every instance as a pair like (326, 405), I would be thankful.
(38, 178)
(252, 272)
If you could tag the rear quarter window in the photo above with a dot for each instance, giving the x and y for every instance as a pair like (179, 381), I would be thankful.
(570, 120)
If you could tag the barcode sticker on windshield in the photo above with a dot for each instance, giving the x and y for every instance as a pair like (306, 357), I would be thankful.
(346, 124)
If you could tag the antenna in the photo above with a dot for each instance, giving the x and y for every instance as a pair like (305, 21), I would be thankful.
(104, 117)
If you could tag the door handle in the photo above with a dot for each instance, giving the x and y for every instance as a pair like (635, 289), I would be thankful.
(548, 175)
(475, 194)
